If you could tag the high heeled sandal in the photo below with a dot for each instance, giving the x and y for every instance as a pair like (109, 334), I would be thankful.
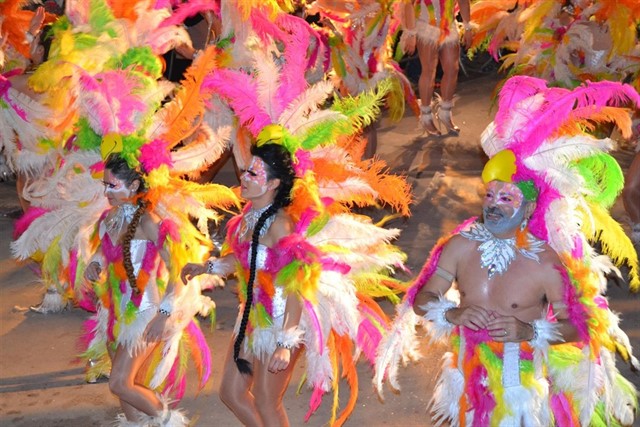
(445, 116)
(427, 120)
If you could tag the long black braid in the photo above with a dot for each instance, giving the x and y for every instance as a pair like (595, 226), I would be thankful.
(279, 165)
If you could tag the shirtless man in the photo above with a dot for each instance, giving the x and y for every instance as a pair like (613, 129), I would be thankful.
(508, 280)
(501, 297)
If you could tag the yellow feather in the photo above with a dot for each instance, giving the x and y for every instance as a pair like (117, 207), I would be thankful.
(615, 242)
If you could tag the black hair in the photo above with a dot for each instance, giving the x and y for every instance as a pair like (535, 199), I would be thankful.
(279, 166)
(121, 170)
(45, 39)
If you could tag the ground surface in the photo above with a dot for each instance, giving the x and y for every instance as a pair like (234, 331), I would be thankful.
(40, 385)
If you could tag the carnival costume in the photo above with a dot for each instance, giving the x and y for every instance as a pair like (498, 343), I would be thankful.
(105, 67)
(435, 22)
(559, 42)
(334, 261)
(536, 141)
(360, 37)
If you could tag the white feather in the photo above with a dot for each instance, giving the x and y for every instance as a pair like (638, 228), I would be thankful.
(268, 81)
(298, 112)
(193, 157)
(398, 346)
(446, 396)
(353, 232)
(344, 191)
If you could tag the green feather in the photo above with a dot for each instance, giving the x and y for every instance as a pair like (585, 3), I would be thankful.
(99, 15)
(86, 138)
(318, 224)
(141, 57)
(603, 177)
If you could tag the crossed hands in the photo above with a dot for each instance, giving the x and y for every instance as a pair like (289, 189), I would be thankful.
(501, 328)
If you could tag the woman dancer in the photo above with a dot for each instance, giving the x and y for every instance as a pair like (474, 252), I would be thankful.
(432, 23)
(267, 338)
(142, 307)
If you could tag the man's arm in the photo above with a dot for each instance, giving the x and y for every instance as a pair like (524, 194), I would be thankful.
(430, 301)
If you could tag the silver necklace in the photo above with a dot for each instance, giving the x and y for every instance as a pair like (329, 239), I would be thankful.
(250, 219)
(123, 215)
(496, 253)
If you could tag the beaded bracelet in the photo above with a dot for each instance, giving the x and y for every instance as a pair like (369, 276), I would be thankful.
(164, 312)
(280, 344)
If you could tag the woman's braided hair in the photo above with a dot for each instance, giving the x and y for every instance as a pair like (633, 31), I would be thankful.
(279, 165)
(121, 170)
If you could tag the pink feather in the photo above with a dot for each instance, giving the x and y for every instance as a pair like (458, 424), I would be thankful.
(576, 310)
(25, 221)
(190, 8)
(201, 343)
(314, 403)
(240, 91)
(293, 82)
(316, 324)
(109, 102)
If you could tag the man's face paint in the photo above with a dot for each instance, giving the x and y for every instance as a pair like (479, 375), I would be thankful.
(254, 179)
(503, 209)
(116, 190)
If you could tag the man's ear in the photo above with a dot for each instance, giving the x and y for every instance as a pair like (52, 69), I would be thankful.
(529, 208)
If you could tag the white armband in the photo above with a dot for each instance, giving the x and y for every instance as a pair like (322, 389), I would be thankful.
(435, 312)
(214, 266)
(289, 338)
(166, 306)
(409, 32)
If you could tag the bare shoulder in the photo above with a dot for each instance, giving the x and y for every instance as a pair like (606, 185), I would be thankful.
(150, 226)
(459, 245)
(549, 258)
(282, 226)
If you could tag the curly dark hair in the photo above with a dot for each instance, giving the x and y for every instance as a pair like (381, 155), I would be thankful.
(279, 166)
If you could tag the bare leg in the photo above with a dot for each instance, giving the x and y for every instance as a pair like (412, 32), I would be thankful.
(235, 391)
(450, 61)
(269, 389)
(631, 196)
(133, 397)
(428, 54)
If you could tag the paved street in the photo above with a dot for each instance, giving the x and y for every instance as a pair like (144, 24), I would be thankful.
(40, 385)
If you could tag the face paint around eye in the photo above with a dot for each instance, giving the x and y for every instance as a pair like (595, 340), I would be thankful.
(115, 190)
(254, 179)
(504, 210)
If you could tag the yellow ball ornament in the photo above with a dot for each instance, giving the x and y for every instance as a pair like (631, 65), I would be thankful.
(500, 167)
(111, 143)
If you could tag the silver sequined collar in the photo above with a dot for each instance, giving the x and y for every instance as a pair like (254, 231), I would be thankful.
(496, 253)
(250, 219)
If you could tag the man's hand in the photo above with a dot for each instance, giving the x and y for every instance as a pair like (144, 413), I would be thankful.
(509, 329)
(473, 317)
(191, 270)
(279, 360)
(92, 272)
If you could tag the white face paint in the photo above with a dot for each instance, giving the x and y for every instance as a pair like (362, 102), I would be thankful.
(116, 190)
(254, 179)
(503, 209)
